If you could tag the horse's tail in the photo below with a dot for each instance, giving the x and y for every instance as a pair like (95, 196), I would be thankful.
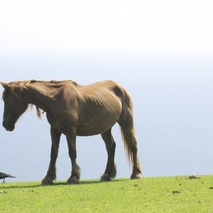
(128, 133)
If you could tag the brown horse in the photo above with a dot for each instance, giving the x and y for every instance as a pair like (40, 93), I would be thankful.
(75, 110)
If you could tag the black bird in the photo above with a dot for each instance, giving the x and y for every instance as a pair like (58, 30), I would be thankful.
(4, 175)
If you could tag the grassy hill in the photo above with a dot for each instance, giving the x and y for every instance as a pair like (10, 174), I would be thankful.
(157, 194)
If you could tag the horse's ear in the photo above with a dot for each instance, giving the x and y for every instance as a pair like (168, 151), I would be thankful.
(5, 85)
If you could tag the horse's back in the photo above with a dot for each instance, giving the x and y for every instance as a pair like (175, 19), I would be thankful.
(107, 86)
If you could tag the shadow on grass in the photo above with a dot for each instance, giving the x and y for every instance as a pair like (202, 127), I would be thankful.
(17, 185)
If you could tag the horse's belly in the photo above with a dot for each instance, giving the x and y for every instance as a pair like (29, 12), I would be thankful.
(86, 131)
(98, 117)
(96, 128)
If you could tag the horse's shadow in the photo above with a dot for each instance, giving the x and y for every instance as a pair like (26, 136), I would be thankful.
(4, 186)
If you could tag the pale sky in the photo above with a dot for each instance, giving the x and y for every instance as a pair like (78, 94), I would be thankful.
(111, 27)
(172, 95)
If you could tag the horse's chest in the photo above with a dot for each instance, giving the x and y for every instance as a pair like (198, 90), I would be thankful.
(56, 122)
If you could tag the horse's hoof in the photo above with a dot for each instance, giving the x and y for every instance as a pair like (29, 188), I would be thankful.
(135, 176)
(48, 179)
(46, 182)
(106, 177)
(73, 180)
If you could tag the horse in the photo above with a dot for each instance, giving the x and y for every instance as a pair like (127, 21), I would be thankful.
(76, 110)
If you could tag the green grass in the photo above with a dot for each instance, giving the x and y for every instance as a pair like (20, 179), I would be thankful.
(158, 194)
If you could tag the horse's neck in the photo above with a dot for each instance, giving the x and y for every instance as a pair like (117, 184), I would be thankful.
(38, 96)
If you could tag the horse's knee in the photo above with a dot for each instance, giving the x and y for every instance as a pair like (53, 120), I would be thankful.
(73, 154)
(111, 149)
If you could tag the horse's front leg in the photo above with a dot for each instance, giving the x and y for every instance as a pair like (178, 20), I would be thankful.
(51, 173)
(71, 141)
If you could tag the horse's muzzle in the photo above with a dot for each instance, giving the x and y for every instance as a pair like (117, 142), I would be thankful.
(8, 127)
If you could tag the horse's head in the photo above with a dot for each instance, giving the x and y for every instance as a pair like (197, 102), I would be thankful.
(14, 107)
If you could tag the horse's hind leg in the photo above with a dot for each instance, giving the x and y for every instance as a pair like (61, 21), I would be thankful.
(110, 171)
(71, 141)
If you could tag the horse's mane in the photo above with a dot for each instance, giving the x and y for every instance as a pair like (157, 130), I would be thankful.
(39, 111)
(24, 84)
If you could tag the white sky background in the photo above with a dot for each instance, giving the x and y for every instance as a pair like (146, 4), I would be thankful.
(161, 48)
(143, 27)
